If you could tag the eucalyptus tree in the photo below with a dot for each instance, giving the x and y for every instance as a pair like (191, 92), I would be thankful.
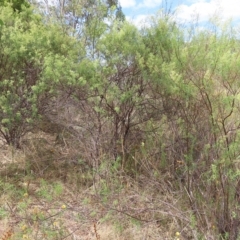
(17, 5)
(86, 20)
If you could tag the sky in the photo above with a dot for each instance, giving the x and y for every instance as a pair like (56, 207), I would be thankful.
(187, 10)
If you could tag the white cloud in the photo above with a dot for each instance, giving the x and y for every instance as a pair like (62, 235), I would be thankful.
(204, 10)
(127, 3)
(200, 10)
(230, 8)
(142, 4)
(150, 3)
(140, 20)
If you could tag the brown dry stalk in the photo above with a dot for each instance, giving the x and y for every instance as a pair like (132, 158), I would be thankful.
(7, 234)
(95, 231)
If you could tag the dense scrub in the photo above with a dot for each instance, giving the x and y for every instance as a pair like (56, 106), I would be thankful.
(152, 102)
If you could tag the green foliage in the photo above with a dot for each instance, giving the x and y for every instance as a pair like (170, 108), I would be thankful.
(3, 213)
(50, 191)
(16, 5)
(149, 100)
(33, 56)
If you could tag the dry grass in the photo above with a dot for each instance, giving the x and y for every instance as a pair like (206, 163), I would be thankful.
(46, 196)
